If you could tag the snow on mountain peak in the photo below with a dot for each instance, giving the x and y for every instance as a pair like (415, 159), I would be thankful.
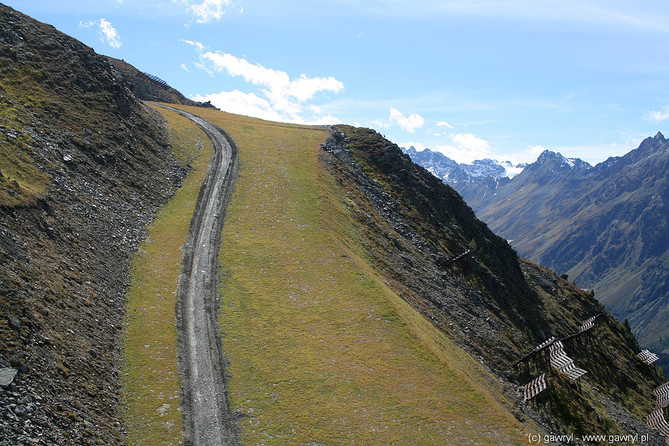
(548, 156)
(451, 171)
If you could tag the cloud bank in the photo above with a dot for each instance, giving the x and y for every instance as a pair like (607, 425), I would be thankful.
(278, 97)
(398, 119)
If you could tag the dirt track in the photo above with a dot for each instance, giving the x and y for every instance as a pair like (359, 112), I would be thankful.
(208, 419)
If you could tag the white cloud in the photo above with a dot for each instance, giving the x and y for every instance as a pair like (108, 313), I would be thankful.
(477, 147)
(397, 118)
(444, 124)
(305, 88)
(199, 46)
(206, 10)
(110, 34)
(282, 91)
(658, 115)
(409, 123)
(467, 147)
(106, 31)
(535, 151)
(250, 104)
(241, 103)
(235, 66)
(455, 153)
(280, 98)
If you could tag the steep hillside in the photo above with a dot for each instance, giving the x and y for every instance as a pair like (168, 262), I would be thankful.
(84, 165)
(321, 350)
(495, 305)
(605, 226)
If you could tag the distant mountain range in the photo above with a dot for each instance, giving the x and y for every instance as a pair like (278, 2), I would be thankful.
(476, 181)
(605, 226)
(451, 171)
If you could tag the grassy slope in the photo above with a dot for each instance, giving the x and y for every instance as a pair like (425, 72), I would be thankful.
(16, 151)
(150, 369)
(320, 349)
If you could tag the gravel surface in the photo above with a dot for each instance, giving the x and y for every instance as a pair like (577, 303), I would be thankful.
(208, 419)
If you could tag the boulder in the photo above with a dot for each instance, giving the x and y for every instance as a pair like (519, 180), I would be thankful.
(7, 375)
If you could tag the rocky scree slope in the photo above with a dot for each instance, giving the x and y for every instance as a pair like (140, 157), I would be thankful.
(84, 167)
(604, 226)
(495, 305)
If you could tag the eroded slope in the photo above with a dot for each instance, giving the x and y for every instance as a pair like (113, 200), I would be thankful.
(84, 167)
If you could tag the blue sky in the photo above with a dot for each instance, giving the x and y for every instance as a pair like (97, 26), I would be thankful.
(473, 79)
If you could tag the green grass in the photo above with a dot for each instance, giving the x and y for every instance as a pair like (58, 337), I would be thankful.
(16, 163)
(23, 97)
(322, 351)
(149, 373)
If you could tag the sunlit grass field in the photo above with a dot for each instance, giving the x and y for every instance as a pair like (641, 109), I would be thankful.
(149, 373)
(321, 350)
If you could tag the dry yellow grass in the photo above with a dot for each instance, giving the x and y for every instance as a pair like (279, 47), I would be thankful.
(321, 350)
(149, 373)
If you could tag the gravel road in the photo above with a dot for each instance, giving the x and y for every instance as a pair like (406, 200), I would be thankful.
(208, 419)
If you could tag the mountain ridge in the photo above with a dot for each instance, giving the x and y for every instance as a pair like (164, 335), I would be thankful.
(599, 224)
(448, 169)
(475, 181)
(150, 88)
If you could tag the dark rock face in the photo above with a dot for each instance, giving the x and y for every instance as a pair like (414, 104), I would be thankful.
(65, 252)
